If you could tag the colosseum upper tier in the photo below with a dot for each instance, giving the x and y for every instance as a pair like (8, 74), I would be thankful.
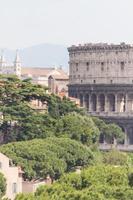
(101, 76)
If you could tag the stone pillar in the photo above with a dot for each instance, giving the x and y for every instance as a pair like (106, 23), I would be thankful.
(87, 102)
(126, 102)
(106, 103)
(90, 103)
(126, 141)
(115, 142)
(97, 104)
(84, 101)
(116, 103)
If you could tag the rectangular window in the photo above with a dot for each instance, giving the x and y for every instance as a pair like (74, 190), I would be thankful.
(14, 187)
(122, 65)
(87, 63)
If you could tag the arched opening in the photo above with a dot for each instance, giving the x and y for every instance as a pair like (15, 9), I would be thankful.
(87, 101)
(123, 129)
(101, 100)
(81, 100)
(130, 135)
(111, 102)
(101, 138)
(93, 102)
(76, 96)
(130, 103)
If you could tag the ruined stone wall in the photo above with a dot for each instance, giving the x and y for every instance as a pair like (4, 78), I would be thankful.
(101, 64)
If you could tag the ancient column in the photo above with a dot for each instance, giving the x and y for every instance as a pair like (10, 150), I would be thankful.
(84, 101)
(90, 106)
(97, 104)
(126, 141)
(126, 102)
(87, 102)
(106, 103)
(116, 103)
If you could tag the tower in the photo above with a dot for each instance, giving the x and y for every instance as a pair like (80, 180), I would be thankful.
(3, 63)
(17, 65)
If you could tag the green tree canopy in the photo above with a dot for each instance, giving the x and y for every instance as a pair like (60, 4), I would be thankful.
(52, 156)
(97, 182)
(2, 185)
(20, 121)
(77, 127)
(109, 131)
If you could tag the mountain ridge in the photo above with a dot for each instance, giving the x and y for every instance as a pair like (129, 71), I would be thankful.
(41, 55)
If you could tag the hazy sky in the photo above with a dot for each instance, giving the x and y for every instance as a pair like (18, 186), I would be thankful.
(28, 22)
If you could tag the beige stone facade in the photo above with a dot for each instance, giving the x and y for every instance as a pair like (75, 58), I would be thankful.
(13, 177)
(101, 76)
(56, 79)
(101, 64)
(31, 186)
(58, 84)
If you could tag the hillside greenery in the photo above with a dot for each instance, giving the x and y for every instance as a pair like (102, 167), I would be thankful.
(56, 142)
(96, 182)
(52, 156)
(2, 185)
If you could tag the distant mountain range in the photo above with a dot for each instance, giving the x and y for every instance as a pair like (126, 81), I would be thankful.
(43, 55)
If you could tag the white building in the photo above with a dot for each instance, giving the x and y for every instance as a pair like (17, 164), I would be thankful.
(14, 69)
(13, 177)
(39, 75)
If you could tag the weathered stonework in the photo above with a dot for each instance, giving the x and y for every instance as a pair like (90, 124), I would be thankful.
(101, 76)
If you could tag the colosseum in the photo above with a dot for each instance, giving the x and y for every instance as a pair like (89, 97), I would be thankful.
(101, 76)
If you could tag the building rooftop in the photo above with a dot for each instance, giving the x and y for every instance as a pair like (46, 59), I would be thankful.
(100, 46)
(45, 72)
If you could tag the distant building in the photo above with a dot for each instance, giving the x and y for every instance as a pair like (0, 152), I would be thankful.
(39, 106)
(7, 69)
(31, 186)
(101, 77)
(55, 79)
(58, 79)
(57, 83)
(13, 177)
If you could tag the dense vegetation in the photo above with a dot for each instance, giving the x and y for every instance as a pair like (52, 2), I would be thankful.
(51, 156)
(97, 182)
(19, 120)
(2, 185)
(56, 142)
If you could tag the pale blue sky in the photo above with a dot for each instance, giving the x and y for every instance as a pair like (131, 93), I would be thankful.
(29, 22)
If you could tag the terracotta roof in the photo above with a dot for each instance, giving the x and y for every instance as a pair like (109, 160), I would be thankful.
(59, 76)
(37, 71)
(43, 72)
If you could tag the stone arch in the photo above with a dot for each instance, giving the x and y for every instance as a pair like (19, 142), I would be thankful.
(121, 102)
(124, 131)
(81, 100)
(93, 102)
(130, 135)
(87, 101)
(130, 102)
(76, 95)
(101, 100)
(111, 102)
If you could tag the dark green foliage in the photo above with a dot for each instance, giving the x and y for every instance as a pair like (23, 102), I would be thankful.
(77, 127)
(115, 157)
(20, 121)
(50, 156)
(110, 132)
(98, 182)
(60, 107)
(2, 185)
